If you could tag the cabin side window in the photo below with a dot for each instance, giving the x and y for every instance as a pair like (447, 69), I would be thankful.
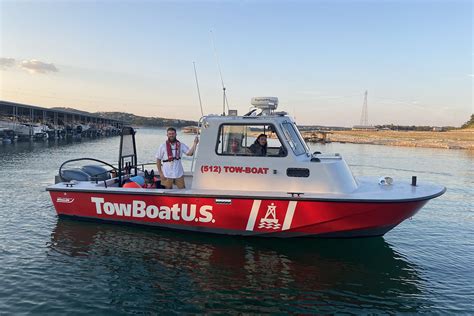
(293, 138)
(243, 140)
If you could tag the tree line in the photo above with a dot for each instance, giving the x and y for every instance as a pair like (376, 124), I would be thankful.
(135, 120)
(470, 123)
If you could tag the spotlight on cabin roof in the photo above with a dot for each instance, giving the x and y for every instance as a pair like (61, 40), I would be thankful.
(266, 104)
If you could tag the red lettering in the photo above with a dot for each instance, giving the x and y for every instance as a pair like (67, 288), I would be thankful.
(235, 169)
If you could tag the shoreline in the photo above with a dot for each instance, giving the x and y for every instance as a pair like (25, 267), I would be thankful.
(456, 139)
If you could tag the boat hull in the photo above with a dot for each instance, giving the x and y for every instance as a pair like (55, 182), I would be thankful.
(292, 217)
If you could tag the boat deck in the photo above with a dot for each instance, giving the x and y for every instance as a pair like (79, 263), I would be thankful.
(369, 190)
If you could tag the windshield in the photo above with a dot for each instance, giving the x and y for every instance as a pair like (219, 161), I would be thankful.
(294, 139)
(249, 140)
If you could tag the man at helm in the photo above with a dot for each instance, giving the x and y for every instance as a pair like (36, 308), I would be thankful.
(168, 160)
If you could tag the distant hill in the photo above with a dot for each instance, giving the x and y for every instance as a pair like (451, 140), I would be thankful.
(470, 123)
(135, 120)
(71, 110)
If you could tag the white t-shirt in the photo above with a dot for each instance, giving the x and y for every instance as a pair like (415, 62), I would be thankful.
(172, 169)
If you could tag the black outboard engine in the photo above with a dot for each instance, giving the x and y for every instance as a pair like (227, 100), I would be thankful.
(85, 173)
(97, 173)
(76, 174)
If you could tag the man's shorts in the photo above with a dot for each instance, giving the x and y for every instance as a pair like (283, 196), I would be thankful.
(168, 182)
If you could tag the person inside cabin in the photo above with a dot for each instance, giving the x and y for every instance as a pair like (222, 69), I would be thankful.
(259, 147)
(236, 147)
(168, 160)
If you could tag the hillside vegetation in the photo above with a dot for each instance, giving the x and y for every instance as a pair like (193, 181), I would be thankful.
(135, 120)
(470, 123)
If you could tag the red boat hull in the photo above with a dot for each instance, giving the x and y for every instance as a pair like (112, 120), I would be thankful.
(240, 216)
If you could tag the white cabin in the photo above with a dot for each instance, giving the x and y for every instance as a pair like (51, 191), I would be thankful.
(224, 160)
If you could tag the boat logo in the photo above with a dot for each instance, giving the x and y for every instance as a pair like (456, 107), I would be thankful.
(270, 221)
(64, 200)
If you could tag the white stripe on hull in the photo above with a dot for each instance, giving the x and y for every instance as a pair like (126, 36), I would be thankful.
(289, 215)
(253, 214)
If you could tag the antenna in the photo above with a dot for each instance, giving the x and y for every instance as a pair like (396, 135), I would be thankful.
(224, 101)
(202, 112)
(197, 85)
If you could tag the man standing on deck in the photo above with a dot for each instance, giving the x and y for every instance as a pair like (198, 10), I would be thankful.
(168, 160)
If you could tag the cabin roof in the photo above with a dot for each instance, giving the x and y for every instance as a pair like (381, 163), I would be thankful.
(246, 119)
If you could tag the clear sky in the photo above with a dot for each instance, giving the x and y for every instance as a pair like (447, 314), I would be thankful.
(413, 57)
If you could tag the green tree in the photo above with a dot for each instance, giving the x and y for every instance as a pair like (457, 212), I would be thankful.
(470, 123)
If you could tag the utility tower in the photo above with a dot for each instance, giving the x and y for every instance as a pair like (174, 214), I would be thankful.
(364, 118)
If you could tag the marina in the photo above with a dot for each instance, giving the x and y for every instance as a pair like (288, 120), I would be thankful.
(22, 122)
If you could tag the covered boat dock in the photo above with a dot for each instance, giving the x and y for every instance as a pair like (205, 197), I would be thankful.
(22, 121)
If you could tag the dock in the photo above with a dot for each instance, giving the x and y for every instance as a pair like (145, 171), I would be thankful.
(29, 122)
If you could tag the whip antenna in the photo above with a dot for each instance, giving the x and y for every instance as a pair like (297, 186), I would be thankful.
(224, 101)
(202, 112)
(197, 85)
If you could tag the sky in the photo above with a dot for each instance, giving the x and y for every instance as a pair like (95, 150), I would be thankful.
(415, 58)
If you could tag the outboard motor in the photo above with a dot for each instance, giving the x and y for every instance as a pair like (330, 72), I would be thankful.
(97, 173)
(85, 173)
(73, 174)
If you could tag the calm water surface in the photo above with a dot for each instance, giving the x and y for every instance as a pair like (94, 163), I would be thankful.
(56, 266)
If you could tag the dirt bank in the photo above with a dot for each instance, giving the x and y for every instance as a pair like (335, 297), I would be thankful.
(457, 139)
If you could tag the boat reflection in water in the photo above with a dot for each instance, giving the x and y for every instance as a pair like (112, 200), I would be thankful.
(141, 270)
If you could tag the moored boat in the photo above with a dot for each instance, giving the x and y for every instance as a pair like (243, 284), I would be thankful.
(285, 192)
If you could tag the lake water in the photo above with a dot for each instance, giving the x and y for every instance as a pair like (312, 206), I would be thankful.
(56, 266)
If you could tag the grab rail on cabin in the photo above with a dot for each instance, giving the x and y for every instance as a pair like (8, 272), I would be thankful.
(198, 133)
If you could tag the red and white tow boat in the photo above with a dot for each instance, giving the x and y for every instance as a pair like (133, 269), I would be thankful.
(289, 192)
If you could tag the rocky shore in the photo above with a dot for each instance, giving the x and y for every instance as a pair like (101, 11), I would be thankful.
(455, 139)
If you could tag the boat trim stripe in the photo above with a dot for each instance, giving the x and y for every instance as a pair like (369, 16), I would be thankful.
(289, 215)
(253, 214)
(302, 198)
